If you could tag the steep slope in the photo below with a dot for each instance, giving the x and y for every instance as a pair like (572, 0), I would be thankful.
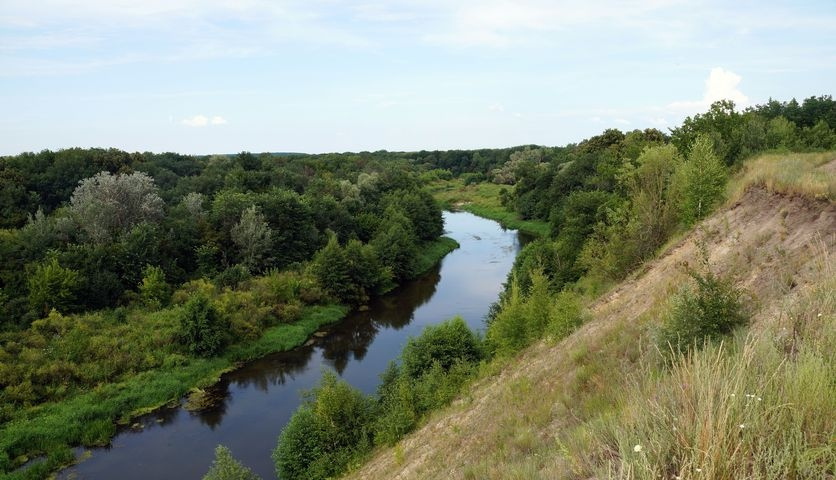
(556, 410)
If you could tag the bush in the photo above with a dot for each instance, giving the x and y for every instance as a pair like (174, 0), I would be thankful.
(326, 433)
(233, 276)
(444, 344)
(52, 286)
(154, 290)
(225, 467)
(202, 329)
(565, 315)
(710, 310)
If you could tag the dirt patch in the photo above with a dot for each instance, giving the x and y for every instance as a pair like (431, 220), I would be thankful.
(767, 242)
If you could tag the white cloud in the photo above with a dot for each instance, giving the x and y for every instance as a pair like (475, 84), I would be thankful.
(496, 107)
(721, 84)
(203, 121)
(621, 121)
(196, 121)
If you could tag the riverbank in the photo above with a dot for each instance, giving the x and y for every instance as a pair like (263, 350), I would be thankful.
(91, 418)
(483, 199)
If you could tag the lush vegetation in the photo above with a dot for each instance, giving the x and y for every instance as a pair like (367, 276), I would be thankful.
(151, 274)
(127, 279)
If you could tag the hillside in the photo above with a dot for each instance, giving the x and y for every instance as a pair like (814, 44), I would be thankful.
(599, 404)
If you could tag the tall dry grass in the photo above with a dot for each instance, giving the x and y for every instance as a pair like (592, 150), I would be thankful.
(758, 406)
(808, 174)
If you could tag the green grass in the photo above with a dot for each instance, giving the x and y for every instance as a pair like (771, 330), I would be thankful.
(88, 419)
(433, 252)
(483, 199)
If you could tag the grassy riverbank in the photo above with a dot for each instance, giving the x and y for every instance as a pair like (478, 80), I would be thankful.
(90, 417)
(483, 199)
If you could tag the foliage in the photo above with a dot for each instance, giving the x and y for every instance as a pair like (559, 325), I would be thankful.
(709, 310)
(526, 316)
(106, 205)
(225, 467)
(52, 286)
(326, 433)
(121, 369)
(444, 344)
(254, 239)
(202, 330)
(700, 182)
(154, 290)
(396, 245)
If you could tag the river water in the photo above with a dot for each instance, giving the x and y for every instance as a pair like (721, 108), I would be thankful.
(258, 399)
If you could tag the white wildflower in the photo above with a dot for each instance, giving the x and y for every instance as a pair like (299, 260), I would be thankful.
(699, 470)
(742, 426)
(637, 448)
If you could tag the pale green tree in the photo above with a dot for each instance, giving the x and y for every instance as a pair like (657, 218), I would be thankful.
(700, 181)
(225, 467)
(254, 239)
(106, 205)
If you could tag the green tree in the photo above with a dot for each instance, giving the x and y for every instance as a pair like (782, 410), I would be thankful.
(225, 467)
(699, 182)
(330, 266)
(395, 244)
(329, 430)
(154, 290)
(202, 329)
(445, 344)
(52, 286)
(254, 239)
(106, 204)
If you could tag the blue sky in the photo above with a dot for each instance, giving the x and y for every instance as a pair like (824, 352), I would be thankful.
(208, 76)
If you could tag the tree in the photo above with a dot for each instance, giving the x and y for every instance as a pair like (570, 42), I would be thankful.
(395, 244)
(330, 267)
(445, 344)
(106, 205)
(699, 182)
(154, 290)
(254, 239)
(202, 329)
(225, 467)
(326, 433)
(52, 287)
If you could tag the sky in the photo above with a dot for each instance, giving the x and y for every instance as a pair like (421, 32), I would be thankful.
(224, 76)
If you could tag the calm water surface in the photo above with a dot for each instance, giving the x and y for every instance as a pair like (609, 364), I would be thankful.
(259, 398)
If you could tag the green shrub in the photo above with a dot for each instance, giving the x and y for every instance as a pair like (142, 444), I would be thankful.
(327, 432)
(154, 290)
(202, 329)
(713, 307)
(233, 276)
(445, 344)
(565, 315)
(225, 467)
(52, 286)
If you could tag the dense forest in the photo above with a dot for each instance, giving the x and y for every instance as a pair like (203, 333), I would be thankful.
(116, 264)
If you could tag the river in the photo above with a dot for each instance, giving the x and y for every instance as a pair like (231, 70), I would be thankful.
(257, 400)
